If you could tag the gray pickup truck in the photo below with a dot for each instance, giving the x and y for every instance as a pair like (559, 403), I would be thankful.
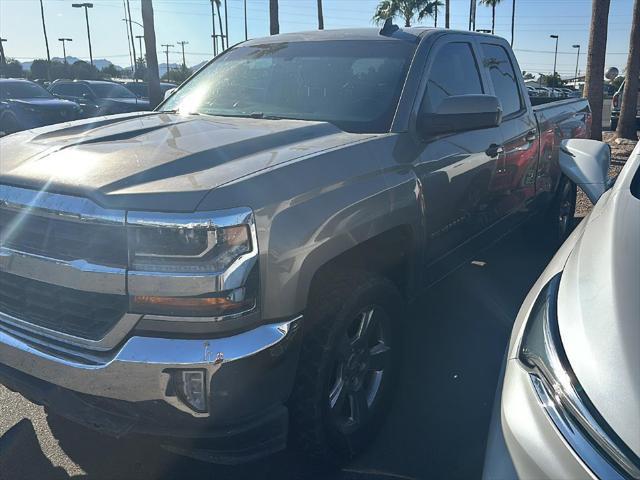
(232, 267)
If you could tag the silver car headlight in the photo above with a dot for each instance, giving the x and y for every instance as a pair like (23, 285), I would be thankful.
(564, 400)
(196, 264)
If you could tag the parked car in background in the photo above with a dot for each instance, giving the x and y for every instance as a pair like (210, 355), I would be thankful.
(616, 105)
(141, 89)
(234, 265)
(25, 104)
(533, 91)
(568, 404)
(98, 97)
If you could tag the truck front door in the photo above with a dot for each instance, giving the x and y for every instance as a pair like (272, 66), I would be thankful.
(456, 170)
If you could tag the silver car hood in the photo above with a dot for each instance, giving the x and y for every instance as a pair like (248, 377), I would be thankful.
(599, 308)
(154, 160)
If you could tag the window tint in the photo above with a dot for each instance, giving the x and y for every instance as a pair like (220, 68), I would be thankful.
(453, 72)
(503, 76)
(70, 89)
(22, 90)
(346, 82)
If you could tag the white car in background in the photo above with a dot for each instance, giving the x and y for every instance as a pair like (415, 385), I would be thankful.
(568, 404)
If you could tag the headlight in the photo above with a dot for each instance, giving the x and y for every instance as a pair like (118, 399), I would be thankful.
(563, 398)
(200, 264)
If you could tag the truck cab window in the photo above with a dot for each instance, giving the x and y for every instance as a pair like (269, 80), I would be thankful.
(454, 71)
(504, 78)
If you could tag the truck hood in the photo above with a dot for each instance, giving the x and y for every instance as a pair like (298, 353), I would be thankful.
(156, 161)
(599, 312)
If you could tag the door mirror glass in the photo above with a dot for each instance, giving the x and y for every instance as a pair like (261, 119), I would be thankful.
(461, 113)
(586, 163)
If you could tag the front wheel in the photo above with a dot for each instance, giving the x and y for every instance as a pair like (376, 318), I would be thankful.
(347, 367)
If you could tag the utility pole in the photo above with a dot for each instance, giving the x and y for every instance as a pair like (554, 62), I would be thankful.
(126, 28)
(140, 37)
(575, 81)
(226, 22)
(555, 59)
(44, 29)
(86, 7)
(166, 52)
(182, 44)
(246, 30)
(213, 28)
(133, 42)
(153, 79)
(3, 59)
(64, 47)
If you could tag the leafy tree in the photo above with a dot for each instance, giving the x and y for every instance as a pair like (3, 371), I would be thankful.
(110, 71)
(407, 9)
(493, 4)
(627, 124)
(60, 70)
(11, 69)
(551, 80)
(141, 69)
(39, 69)
(594, 81)
(527, 75)
(177, 75)
(84, 71)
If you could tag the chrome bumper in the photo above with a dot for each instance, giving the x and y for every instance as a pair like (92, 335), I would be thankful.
(138, 371)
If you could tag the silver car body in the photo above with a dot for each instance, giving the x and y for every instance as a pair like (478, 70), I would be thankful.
(598, 311)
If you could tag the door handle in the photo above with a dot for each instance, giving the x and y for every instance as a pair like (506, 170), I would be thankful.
(494, 150)
(532, 135)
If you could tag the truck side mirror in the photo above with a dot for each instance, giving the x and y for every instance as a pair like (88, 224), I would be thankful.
(461, 113)
(168, 93)
(586, 163)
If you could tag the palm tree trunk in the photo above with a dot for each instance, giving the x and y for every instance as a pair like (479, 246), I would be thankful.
(153, 75)
(594, 82)
(513, 22)
(493, 19)
(627, 127)
(435, 18)
(447, 13)
(274, 24)
(320, 16)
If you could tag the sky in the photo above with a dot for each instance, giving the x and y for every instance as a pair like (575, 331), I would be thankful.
(190, 20)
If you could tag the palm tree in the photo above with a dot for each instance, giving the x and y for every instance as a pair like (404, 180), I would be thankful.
(492, 4)
(407, 9)
(153, 76)
(447, 13)
(320, 16)
(274, 24)
(594, 81)
(627, 123)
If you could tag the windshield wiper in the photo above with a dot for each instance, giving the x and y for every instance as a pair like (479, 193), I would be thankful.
(263, 116)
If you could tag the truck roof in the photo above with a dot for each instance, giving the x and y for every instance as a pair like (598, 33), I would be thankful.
(408, 34)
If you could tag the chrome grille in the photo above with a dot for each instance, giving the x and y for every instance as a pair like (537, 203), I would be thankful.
(63, 239)
(73, 312)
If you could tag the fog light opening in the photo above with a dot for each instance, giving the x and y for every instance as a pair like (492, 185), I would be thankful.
(191, 388)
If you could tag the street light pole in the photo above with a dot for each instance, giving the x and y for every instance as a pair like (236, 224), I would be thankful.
(64, 47)
(166, 52)
(86, 7)
(133, 42)
(182, 44)
(226, 22)
(555, 59)
(575, 81)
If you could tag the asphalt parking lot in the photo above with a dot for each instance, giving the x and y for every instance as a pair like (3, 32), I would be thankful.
(454, 345)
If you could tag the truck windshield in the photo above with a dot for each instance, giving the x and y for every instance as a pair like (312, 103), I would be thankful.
(352, 84)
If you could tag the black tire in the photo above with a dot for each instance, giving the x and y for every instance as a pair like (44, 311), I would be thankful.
(555, 224)
(321, 410)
